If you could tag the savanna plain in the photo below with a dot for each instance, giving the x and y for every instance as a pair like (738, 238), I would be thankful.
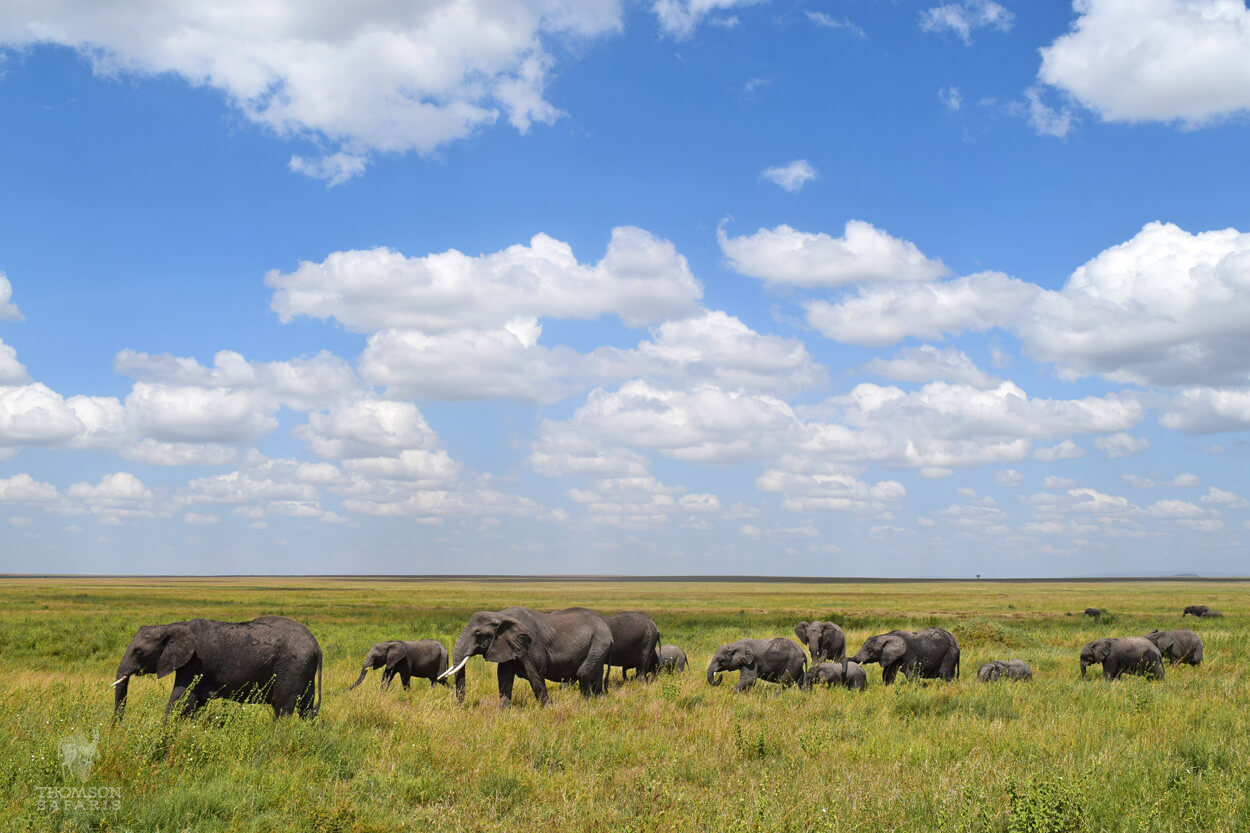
(1054, 754)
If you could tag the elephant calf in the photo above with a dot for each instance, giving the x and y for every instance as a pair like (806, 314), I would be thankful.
(998, 669)
(824, 640)
(1201, 611)
(272, 659)
(1181, 645)
(1130, 655)
(772, 660)
(672, 659)
(929, 653)
(426, 658)
(847, 675)
(1093, 612)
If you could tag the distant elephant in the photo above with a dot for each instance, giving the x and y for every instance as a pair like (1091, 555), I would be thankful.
(998, 669)
(273, 659)
(847, 675)
(824, 640)
(1181, 645)
(425, 658)
(635, 638)
(773, 660)
(672, 659)
(568, 644)
(928, 654)
(1201, 611)
(1130, 655)
(1093, 612)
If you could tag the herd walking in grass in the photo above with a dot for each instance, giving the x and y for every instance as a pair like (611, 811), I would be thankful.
(278, 661)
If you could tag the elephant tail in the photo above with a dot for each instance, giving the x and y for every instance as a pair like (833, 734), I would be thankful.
(317, 706)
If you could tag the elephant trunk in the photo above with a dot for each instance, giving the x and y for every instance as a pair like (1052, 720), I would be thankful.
(361, 678)
(122, 686)
(1084, 665)
(713, 675)
(459, 656)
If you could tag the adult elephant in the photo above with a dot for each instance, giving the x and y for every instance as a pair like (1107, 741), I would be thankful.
(1180, 645)
(425, 658)
(672, 659)
(772, 660)
(824, 640)
(847, 675)
(1201, 611)
(929, 653)
(272, 660)
(1093, 613)
(568, 644)
(635, 637)
(1129, 655)
(1012, 669)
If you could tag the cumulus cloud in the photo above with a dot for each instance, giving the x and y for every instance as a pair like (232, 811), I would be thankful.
(374, 77)
(814, 486)
(962, 18)
(8, 309)
(1207, 411)
(334, 168)
(929, 364)
(881, 315)
(863, 254)
(1010, 478)
(1228, 500)
(1153, 482)
(1121, 445)
(679, 18)
(1154, 60)
(12, 372)
(642, 279)
(367, 428)
(1066, 450)
(791, 176)
(22, 488)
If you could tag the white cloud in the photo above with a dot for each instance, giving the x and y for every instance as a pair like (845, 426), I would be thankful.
(8, 309)
(1066, 450)
(791, 176)
(22, 488)
(963, 17)
(374, 77)
(679, 18)
(1009, 478)
(1155, 60)
(187, 414)
(784, 255)
(34, 415)
(1227, 500)
(951, 98)
(881, 315)
(642, 279)
(367, 428)
(1044, 119)
(196, 519)
(1121, 445)
(334, 168)
(928, 364)
(828, 22)
(1179, 481)
(1172, 509)
(119, 486)
(750, 531)
(809, 486)
(1207, 411)
(12, 372)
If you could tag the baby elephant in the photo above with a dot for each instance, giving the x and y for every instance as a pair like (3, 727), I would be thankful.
(1014, 669)
(672, 659)
(847, 675)
(1181, 645)
(1093, 612)
(1201, 611)
(1131, 655)
(772, 660)
(425, 658)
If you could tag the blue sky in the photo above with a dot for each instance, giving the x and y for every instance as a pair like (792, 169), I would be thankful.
(693, 286)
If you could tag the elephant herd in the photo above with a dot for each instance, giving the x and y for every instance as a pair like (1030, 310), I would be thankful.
(277, 661)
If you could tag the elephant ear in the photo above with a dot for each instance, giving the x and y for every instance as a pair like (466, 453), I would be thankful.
(511, 641)
(892, 649)
(748, 657)
(178, 650)
(800, 630)
(1102, 648)
(394, 654)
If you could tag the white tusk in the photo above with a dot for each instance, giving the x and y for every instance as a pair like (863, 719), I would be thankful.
(121, 680)
(451, 671)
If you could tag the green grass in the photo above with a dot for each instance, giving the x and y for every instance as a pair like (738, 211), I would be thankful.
(1057, 754)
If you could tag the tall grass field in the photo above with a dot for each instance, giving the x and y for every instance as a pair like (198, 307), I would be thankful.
(1054, 754)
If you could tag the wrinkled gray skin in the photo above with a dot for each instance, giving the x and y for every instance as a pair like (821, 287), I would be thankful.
(1130, 655)
(635, 637)
(772, 660)
(929, 653)
(426, 658)
(849, 675)
(1093, 612)
(1180, 645)
(1201, 611)
(824, 640)
(998, 669)
(272, 659)
(672, 659)
(568, 644)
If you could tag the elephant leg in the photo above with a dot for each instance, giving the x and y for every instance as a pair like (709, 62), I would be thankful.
(505, 675)
(888, 673)
(539, 685)
(387, 674)
(174, 696)
(947, 671)
(307, 702)
(404, 677)
(745, 680)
